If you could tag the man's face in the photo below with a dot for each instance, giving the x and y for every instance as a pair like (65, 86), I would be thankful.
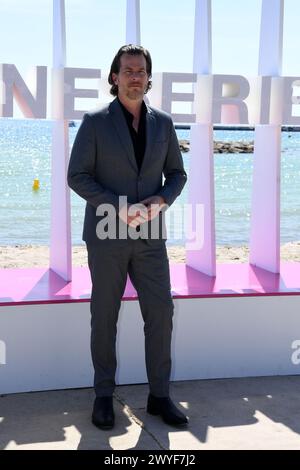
(132, 79)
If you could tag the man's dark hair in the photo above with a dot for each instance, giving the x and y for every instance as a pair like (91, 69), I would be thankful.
(115, 66)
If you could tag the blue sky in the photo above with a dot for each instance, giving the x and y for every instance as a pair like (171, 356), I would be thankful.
(96, 29)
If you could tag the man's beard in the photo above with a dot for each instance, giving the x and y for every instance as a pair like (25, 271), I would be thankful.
(135, 94)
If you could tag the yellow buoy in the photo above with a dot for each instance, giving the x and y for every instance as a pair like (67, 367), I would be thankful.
(36, 184)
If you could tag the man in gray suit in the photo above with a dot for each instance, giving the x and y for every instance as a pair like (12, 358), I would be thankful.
(117, 162)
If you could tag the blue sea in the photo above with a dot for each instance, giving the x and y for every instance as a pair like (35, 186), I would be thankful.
(25, 154)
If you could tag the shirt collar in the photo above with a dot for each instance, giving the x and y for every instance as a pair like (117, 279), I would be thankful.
(128, 114)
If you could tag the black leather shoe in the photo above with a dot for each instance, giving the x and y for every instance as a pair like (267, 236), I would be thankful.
(103, 413)
(167, 410)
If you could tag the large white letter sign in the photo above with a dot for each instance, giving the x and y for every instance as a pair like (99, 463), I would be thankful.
(70, 74)
(266, 101)
(216, 99)
(33, 103)
(229, 93)
(168, 96)
(65, 92)
(290, 100)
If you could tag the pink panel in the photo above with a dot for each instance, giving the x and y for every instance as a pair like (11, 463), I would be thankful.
(265, 216)
(202, 255)
(29, 286)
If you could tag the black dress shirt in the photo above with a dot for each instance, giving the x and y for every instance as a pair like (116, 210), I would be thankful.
(138, 138)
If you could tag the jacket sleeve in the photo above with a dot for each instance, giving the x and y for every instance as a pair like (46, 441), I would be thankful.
(175, 176)
(81, 170)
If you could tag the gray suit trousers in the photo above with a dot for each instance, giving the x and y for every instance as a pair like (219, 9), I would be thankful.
(146, 263)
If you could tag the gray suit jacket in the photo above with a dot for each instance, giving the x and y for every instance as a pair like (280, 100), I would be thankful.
(103, 167)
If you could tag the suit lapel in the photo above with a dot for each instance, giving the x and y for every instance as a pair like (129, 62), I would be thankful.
(120, 124)
(150, 136)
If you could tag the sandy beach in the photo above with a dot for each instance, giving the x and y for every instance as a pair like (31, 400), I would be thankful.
(26, 256)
